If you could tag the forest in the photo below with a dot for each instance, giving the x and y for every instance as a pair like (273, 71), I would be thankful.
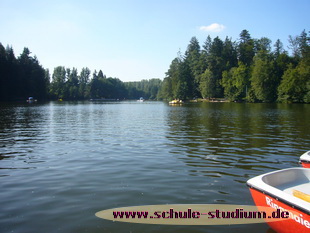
(245, 70)
(251, 70)
(24, 76)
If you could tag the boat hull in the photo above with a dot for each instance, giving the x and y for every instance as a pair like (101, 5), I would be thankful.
(287, 190)
(298, 222)
(305, 165)
(305, 160)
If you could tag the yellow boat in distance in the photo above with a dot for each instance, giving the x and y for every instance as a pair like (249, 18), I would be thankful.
(176, 102)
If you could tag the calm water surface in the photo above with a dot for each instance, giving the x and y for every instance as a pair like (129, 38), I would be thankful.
(62, 162)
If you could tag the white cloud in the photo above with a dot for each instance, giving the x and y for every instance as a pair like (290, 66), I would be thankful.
(214, 27)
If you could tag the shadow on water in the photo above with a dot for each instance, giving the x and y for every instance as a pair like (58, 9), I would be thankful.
(246, 136)
(21, 128)
(228, 143)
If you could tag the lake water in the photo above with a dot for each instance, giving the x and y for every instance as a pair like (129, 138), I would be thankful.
(61, 162)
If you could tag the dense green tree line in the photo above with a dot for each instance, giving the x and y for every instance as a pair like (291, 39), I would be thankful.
(244, 70)
(146, 88)
(23, 77)
(68, 84)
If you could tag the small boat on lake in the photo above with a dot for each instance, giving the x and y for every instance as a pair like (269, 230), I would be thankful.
(141, 99)
(176, 102)
(305, 160)
(287, 190)
(104, 99)
(31, 100)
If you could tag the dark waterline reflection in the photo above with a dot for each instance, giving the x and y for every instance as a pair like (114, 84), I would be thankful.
(61, 162)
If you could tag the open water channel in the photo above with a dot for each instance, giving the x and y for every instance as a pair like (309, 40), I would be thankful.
(61, 162)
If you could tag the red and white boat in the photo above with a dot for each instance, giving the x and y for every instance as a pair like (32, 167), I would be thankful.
(305, 160)
(287, 190)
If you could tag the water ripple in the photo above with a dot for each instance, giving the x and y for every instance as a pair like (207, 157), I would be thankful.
(62, 162)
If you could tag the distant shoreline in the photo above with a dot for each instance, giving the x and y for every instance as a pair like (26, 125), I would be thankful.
(199, 100)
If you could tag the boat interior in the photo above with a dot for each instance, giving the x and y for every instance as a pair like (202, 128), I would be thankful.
(290, 180)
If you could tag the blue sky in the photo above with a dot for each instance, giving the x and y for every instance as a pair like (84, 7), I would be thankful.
(137, 39)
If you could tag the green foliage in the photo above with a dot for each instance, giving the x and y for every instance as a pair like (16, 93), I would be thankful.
(179, 83)
(307, 93)
(165, 90)
(207, 84)
(244, 70)
(263, 44)
(247, 69)
(295, 85)
(235, 82)
(246, 48)
(21, 77)
(230, 54)
(195, 66)
(181, 90)
(58, 82)
(263, 81)
(147, 89)
(278, 48)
